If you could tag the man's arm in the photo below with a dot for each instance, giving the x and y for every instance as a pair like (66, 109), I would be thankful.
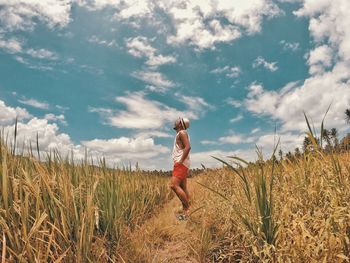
(186, 143)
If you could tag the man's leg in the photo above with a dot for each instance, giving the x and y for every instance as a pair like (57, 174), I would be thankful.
(183, 185)
(175, 186)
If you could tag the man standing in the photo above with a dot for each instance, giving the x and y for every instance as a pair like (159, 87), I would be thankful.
(181, 158)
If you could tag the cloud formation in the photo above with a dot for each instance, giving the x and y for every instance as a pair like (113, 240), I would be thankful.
(260, 61)
(11, 45)
(141, 48)
(329, 66)
(230, 72)
(34, 103)
(197, 23)
(9, 114)
(156, 80)
(143, 113)
(320, 59)
(116, 151)
(230, 139)
(292, 46)
(23, 15)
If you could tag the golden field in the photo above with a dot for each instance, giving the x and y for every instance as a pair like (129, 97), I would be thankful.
(291, 210)
(58, 211)
(306, 217)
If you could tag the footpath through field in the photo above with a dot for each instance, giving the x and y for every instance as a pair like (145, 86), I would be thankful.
(163, 238)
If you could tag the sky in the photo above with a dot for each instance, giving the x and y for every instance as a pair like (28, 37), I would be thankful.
(110, 77)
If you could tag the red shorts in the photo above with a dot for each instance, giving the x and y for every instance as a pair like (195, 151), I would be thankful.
(180, 171)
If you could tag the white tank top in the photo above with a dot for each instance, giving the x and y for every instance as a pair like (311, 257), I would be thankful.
(178, 152)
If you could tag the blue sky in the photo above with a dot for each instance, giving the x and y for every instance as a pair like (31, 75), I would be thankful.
(112, 76)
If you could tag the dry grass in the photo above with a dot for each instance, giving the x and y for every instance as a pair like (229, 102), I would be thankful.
(58, 211)
(50, 213)
(311, 198)
(165, 239)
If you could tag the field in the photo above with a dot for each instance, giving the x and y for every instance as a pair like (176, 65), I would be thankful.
(58, 211)
(290, 210)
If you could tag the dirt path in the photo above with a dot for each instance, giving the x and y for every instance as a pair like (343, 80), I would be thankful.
(163, 238)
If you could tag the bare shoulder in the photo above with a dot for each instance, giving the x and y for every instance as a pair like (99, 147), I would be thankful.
(183, 133)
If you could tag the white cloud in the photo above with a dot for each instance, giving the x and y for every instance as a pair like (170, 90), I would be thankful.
(266, 143)
(62, 108)
(35, 103)
(197, 22)
(60, 118)
(91, 69)
(236, 139)
(287, 142)
(313, 96)
(23, 15)
(208, 142)
(124, 10)
(255, 130)
(156, 89)
(126, 148)
(142, 113)
(98, 4)
(135, 9)
(230, 139)
(103, 42)
(117, 151)
(293, 46)
(260, 61)
(329, 65)
(49, 138)
(233, 102)
(319, 59)
(36, 66)
(15, 46)
(236, 119)
(11, 45)
(329, 20)
(195, 104)
(203, 36)
(153, 133)
(155, 61)
(289, 1)
(155, 79)
(8, 114)
(140, 47)
(230, 72)
(42, 54)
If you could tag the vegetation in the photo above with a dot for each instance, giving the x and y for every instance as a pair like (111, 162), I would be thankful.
(60, 210)
(310, 204)
(303, 216)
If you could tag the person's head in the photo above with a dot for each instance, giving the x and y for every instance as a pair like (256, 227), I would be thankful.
(181, 124)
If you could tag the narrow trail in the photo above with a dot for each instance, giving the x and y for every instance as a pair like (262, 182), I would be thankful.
(163, 238)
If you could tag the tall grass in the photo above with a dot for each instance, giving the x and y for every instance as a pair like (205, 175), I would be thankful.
(59, 210)
(298, 207)
(256, 209)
